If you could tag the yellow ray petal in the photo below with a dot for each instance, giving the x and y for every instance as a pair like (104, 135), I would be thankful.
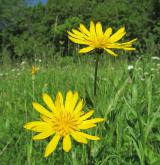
(77, 136)
(68, 100)
(129, 42)
(78, 115)
(117, 35)
(48, 100)
(129, 48)
(110, 52)
(52, 145)
(99, 31)
(38, 127)
(86, 49)
(33, 124)
(59, 102)
(116, 46)
(92, 30)
(73, 101)
(86, 126)
(42, 128)
(67, 143)
(78, 41)
(94, 121)
(88, 136)
(43, 135)
(45, 118)
(84, 30)
(79, 34)
(87, 115)
(82, 113)
(75, 36)
(113, 46)
(78, 107)
(42, 110)
(108, 32)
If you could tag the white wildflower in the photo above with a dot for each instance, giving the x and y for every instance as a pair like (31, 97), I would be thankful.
(13, 70)
(146, 73)
(22, 63)
(39, 60)
(130, 67)
(142, 79)
(158, 65)
(156, 58)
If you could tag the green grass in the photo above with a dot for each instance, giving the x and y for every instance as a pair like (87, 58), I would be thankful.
(129, 100)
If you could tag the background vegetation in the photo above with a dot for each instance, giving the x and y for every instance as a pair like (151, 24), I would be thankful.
(28, 30)
(129, 101)
(128, 94)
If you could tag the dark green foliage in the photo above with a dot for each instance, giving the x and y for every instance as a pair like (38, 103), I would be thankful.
(42, 29)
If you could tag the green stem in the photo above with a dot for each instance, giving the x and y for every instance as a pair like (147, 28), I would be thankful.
(89, 161)
(62, 156)
(33, 86)
(95, 74)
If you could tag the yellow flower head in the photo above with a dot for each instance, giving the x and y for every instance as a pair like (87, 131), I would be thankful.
(64, 120)
(34, 70)
(96, 38)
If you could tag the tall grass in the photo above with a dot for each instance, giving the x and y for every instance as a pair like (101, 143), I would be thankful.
(129, 100)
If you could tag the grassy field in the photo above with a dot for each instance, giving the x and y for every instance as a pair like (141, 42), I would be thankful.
(128, 97)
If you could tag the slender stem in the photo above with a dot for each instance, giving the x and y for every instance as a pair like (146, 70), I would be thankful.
(62, 156)
(33, 86)
(95, 74)
(89, 161)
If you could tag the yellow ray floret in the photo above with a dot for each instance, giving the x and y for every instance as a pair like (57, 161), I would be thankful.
(64, 119)
(34, 70)
(95, 38)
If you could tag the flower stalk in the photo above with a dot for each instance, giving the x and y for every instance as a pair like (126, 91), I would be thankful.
(95, 74)
(62, 157)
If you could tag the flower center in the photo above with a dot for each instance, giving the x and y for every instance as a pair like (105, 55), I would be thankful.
(99, 43)
(64, 123)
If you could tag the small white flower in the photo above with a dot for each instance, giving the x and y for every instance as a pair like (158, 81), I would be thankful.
(18, 74)
(139, 68)
(112, 68)
(23, 62)
(130, 67)
(146, 73)
(158, 65)
(104, 79)
(156, 58)
(142, 79)
(39, 60)
(13, 70)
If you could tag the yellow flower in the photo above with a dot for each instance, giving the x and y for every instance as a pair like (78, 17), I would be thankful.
(34, 70)
(96, 38)
(64, 120)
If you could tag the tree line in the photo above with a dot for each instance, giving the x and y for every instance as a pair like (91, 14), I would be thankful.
(40, 30)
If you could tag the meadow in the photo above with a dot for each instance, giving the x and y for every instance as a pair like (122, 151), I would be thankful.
(128, 96)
